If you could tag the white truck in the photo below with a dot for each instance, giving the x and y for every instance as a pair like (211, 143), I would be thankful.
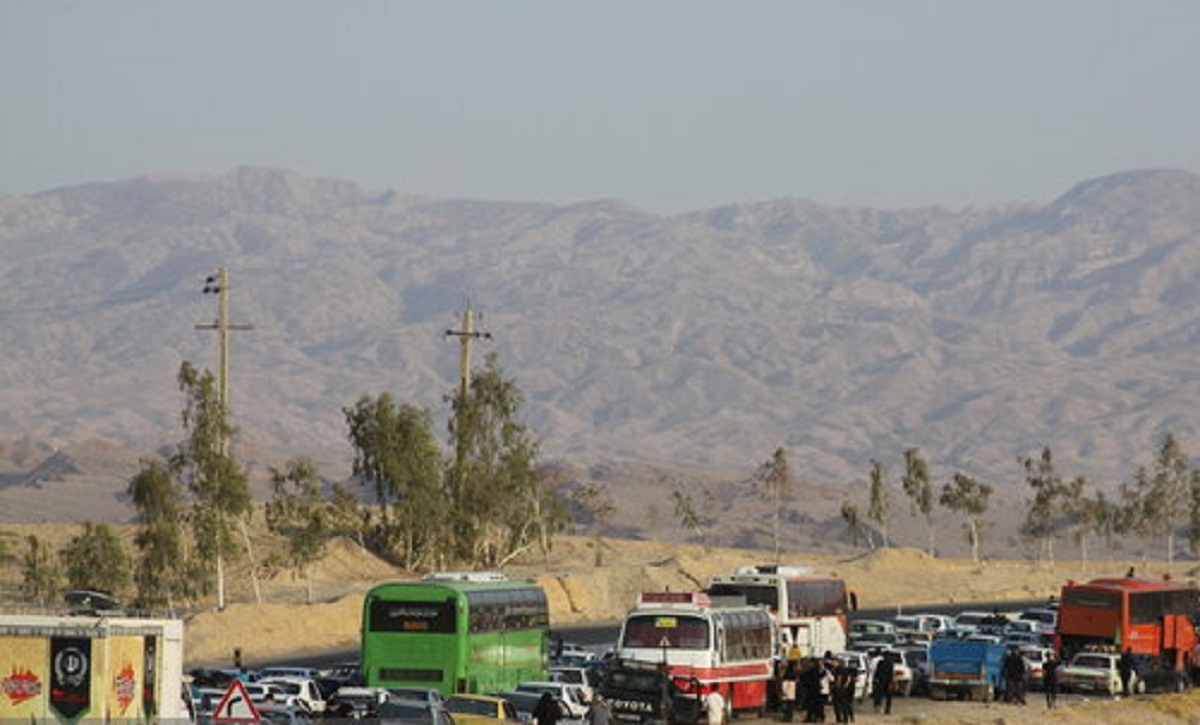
(90, 667)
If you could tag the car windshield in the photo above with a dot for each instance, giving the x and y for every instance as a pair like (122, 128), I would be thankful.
(1091, 661)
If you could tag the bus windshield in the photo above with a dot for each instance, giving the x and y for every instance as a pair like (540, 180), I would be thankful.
(666, 630)
(757, 595)
(816, 597)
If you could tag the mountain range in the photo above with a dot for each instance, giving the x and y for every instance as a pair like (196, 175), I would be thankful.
(702, 340)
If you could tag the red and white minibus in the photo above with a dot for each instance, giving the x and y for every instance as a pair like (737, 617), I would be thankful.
(729, 649)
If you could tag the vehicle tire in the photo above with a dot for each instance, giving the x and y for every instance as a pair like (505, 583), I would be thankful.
(936, 692)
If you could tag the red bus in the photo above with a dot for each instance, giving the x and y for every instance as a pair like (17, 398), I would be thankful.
(1147, 616)
(730, 649)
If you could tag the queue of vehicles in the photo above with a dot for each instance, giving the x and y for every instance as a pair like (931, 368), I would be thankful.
(473, 646)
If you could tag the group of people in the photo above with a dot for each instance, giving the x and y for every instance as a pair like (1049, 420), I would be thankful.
(811, 684)
(1015, 673)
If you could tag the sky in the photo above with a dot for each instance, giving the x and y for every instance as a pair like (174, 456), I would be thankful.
(670, 105)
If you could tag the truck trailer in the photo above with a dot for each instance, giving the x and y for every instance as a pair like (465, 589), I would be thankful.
(90, 667)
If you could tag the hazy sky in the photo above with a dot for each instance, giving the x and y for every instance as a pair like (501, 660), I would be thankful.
(669, 105)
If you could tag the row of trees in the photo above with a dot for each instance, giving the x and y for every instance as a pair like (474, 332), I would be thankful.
(480, 504)
(1159, 502)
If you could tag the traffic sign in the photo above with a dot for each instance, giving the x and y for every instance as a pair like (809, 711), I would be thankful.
(236, 706)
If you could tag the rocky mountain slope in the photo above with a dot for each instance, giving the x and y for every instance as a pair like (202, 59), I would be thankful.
(701, 340)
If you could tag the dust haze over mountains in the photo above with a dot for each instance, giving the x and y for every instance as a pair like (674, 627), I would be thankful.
(701, 340)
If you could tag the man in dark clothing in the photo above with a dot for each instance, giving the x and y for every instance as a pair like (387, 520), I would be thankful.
(881, 685)
(1125, 668)
(546, 711)
(1050, 679)
(1015, 676)
(844, 677)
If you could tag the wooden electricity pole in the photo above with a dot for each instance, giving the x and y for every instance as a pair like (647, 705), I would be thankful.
(465, 336)
(219, 285)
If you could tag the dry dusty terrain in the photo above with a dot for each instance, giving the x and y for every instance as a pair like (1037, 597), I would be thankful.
(580, 591)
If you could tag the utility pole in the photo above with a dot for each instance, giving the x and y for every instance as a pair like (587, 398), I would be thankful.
(218, 285)
(465, 336)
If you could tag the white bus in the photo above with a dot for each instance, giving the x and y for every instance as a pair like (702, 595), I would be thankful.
(812, 610)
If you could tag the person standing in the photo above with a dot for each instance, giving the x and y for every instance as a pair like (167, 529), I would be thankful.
(1125, 669)
(844, 677)
(1016, 675)
(597, 712)
(546, 711)
(787, 691)
(1050, 679)
(881, 685)
(714, 707)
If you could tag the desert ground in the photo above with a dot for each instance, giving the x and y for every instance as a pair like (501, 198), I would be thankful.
(590, 580)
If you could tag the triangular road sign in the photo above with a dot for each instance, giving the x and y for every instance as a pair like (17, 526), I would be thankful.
(236, 706)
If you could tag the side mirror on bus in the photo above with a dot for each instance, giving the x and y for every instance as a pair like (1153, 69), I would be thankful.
(853, 601)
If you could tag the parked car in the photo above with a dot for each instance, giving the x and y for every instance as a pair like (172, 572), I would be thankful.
(303, 690)
(418, 694)
(395, 711)
(525, 702)
(921, 626)
(1044, 620)
(268, 673)
(871, 629)
(276, 714)
(481, 710)
(575, 676)
(917, 659)
(355, 702)
(970, 620)
(1096, 672)
(573, 702)
(570, 654)
(1035, 660)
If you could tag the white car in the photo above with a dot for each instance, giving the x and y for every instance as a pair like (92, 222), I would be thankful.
(570, 695)
(301, 689)
(1095, 672)
(574, 676)
(1043, 620)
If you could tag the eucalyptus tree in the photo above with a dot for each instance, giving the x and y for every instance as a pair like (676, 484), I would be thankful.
(498, 502)
(854, 525)
(41, 578)
(160, 573)
(1171, 491)
(1045, 506)
(597, 502)
(219, 492)
(969, 497)
(298, 512)
(879, 503)
(775, 482)
(396, 454)
(96, 560)
(919, 489)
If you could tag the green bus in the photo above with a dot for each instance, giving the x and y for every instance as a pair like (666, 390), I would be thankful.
(455, 632)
